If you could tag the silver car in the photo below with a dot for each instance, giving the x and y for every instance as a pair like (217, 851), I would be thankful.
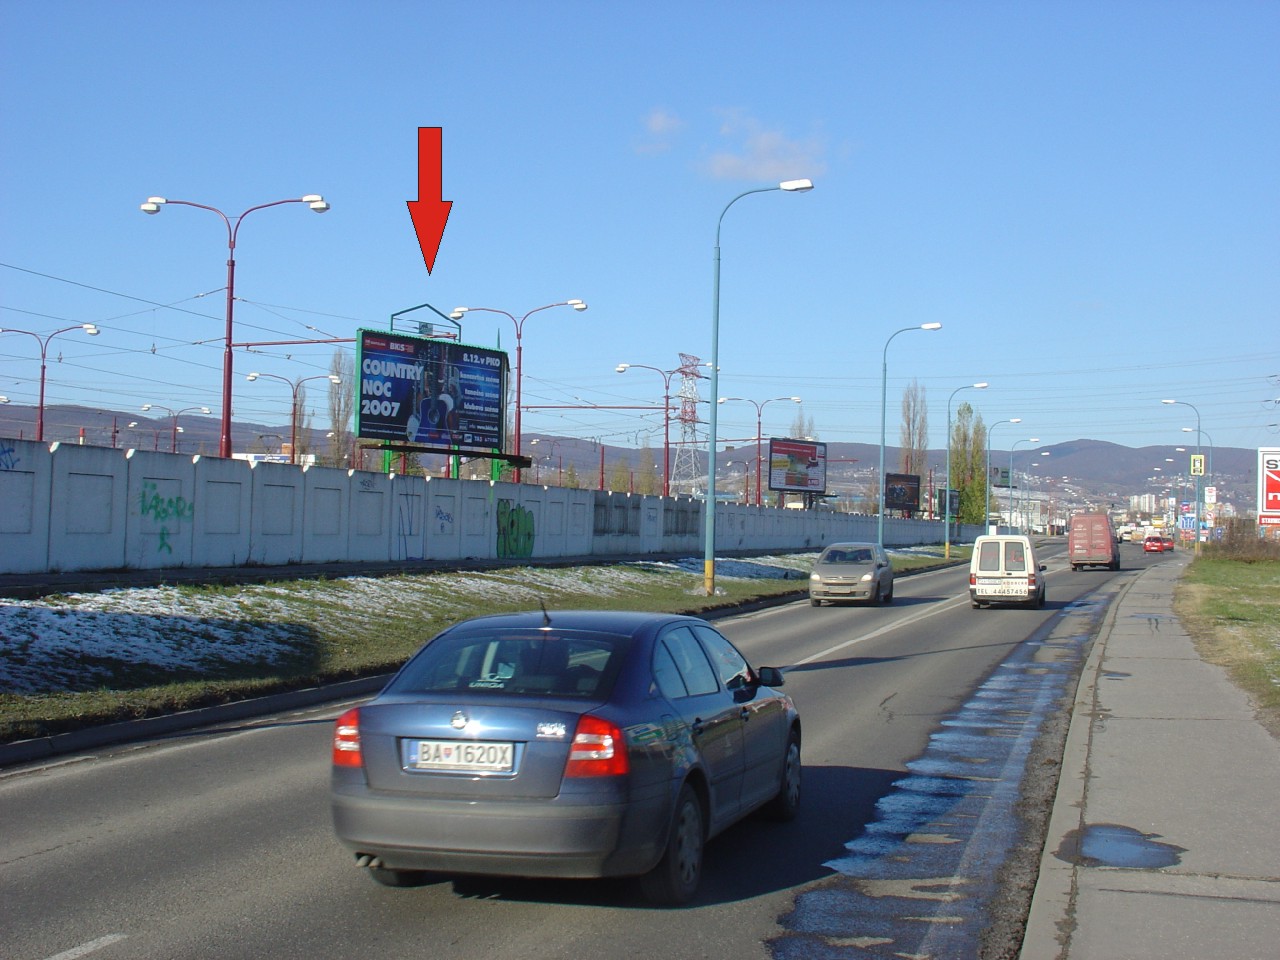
(851, 571)
(564, 744)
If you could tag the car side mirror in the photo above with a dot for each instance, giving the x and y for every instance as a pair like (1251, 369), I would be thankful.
(1043, 567)
(770, 676)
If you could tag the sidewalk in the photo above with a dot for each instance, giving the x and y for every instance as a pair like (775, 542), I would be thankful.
(1164, 841)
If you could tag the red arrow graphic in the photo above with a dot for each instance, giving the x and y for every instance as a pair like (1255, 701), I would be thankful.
(429, 212)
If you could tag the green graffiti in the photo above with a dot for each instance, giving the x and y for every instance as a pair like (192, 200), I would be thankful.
(515, 531)
(163, 510)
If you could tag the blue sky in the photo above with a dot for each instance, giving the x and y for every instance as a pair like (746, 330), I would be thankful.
(1084, 194)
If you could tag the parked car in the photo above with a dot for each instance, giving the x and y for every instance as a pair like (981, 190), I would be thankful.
(564, 744)
(1092, 542)
(1004, 568)
(1153, 545)
(851, 571)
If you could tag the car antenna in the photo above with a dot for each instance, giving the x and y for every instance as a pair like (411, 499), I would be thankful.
(546, 617)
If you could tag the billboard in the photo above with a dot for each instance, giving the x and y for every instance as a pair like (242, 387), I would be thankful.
(432, 392)
(1269, 486)
(901, 491)
(797, 466)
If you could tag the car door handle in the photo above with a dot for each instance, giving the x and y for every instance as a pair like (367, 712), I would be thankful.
(697, 727)
(745, 714)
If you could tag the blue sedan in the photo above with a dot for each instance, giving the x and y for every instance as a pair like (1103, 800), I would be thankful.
(564, 744)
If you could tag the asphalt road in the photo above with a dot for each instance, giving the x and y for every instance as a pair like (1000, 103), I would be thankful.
(218, 842)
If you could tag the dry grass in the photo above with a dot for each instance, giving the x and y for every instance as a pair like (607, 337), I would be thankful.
(1231, 609)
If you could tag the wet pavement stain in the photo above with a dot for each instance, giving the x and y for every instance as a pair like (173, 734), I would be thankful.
(941, 833)
(1112, 845)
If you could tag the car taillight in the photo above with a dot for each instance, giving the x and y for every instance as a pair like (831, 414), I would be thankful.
(599, 749)
(973, 580)
(346, 740)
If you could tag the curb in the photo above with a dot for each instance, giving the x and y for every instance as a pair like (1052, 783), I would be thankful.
(43, 748)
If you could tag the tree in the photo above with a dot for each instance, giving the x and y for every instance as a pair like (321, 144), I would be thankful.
(648, 478)
(620, 475)
(914, 433)
(571, 478)
(969, 465)
(342, 402)
(802, 427)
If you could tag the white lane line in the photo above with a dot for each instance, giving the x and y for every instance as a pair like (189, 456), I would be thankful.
(87, 948)
(931, 610)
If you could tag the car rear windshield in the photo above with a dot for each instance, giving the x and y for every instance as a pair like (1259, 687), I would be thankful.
(522, 662)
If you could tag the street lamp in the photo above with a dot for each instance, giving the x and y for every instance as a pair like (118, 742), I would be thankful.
(457, 315)
(759, 435)
(946, 495)
(986, 482)
(884, 390)
(295, 386)
(175, 414)
(1011, 449)
(152, 206)
(666, 417)
(709, 551)
(1198, 475)
(555, 452)
(88, 328)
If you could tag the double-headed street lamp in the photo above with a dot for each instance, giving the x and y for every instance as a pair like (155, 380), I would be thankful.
(759, 435)
(666, 417)
(88, 328)
(555, 452)
(519, 322)
(294, 387)
(1011, 449)
(1198, 475)
(709, 537)
(946, 510)
(174, 414)
(884, 390)
(152, 206)
(986, 483)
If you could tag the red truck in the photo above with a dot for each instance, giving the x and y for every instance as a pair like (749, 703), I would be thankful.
(1091, 542)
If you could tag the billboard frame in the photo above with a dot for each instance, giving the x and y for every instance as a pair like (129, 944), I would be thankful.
(797, 466)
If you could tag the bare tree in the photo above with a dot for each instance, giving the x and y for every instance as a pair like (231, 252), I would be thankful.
(802, 427)
(342, 402)
(914, 433)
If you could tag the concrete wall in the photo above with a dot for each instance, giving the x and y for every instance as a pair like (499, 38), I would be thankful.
(67, 507)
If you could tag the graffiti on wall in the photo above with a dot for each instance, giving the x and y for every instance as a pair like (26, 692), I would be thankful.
(164, 512)
(515, 531)
(8, 458)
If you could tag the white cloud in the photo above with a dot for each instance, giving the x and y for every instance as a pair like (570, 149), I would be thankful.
(661, 127)
(755, 152)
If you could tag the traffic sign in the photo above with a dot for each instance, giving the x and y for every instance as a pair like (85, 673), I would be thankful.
(1197, 464)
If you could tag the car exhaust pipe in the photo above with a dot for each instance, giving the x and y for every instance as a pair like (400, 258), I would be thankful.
(366, 860)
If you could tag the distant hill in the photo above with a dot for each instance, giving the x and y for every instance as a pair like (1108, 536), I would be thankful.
(1095, 468)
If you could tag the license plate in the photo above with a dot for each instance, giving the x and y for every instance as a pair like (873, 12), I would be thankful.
(998, 589)
(463, 757)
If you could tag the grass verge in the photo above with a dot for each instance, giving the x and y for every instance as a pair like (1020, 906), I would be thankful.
(313, 632)
(1229, 604)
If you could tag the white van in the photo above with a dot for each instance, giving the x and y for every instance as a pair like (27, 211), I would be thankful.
(1005, 569)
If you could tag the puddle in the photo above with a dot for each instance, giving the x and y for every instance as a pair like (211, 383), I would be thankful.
(1111, 845)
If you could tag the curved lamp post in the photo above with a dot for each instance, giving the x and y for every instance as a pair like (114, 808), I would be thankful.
(294, 387)
(666, 417)
(519, 322)
(884, 389)
(1011, 449)
(946, 495)
(153, 206)
(759, 435)
(555, 452)
(175, 414)
(986, 482)
(1199, 476)
(709, 537)
(88, 328)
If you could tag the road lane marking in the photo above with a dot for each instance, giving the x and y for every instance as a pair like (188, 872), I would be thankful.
(932, 610)
(87, 948)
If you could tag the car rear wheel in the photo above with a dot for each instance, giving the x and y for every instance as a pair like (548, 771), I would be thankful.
(814, 602)
(675, 879)
(786, 804)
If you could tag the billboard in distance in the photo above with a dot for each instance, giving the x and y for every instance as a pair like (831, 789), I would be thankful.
(432, 392)
(1269, 486)
(901, 491)
(798, 466)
